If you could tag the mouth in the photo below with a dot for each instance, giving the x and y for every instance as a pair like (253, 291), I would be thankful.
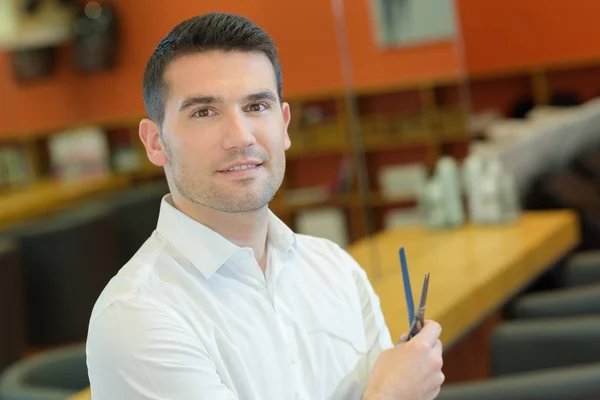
(242, 169)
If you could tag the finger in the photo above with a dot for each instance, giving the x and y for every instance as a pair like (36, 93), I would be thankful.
(430, 333)
(438, 348)
(403, 338)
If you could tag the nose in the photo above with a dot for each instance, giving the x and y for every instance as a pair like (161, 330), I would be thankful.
(237, 132)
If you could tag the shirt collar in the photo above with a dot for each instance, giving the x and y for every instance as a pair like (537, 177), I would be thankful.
(206, 249)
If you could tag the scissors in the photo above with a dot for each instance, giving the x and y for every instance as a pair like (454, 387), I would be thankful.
(416, 321)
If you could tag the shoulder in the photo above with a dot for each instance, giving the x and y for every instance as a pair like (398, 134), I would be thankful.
(327, 255)
(133, 312)
(132, 285)
(321, 246)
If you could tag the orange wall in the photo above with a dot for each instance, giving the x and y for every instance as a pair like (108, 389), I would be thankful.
(375, 67)
(309, 57)
(500, 34)
(497, 34)
(68, 98)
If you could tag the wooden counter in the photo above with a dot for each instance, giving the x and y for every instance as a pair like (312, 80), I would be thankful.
(85, 394)
(474, 270)
(46, 197)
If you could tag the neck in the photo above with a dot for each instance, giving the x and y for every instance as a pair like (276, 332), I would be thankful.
(244, 229)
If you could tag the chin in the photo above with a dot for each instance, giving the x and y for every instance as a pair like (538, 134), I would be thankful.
(242, 208)
(243, 202)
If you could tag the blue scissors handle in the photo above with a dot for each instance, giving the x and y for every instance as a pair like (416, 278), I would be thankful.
(416, 321)
(410, 305)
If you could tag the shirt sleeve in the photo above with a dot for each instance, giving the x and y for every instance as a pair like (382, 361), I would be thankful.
(376, 332)
(141, 352)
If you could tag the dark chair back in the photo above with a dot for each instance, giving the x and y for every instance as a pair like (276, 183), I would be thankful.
(137, 212)
(67, 261)
(52, 375)
(12, 309)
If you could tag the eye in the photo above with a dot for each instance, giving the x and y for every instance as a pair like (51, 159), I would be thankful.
(203, 113)
(257, 107)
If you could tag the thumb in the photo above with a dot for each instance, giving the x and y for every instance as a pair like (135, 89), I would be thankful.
(430, 333)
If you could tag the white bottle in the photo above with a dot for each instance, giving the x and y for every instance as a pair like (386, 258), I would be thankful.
(509, 198)
(449, 178)
(483, 195)
(431, 204)
(472, 173)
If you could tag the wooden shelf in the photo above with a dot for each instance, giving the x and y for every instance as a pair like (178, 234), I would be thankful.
(379, 200)
(302, 152)
(325, 148)
(48, 196)
(352, 200)
(395, 144)
(375, 146)
(349, 200)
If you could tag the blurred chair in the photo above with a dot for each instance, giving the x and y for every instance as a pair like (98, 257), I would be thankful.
(52, 375)
(12, 309)
(580, 294)
(137, 212)
(532, 345)
(67, 260)
(583, 269)
(572, 383)
(550, 359)
(576, 301)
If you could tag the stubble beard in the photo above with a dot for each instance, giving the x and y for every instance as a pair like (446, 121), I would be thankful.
(241, 199)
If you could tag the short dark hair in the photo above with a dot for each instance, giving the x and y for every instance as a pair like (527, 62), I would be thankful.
(213, 31)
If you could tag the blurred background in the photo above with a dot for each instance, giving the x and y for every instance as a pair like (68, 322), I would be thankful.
(467, 131)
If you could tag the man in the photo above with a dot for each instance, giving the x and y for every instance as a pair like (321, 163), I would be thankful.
(224, 301)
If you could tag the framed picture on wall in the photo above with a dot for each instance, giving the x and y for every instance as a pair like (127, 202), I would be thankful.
(402, 23)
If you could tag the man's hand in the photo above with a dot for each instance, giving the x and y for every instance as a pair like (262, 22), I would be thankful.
(411, 370)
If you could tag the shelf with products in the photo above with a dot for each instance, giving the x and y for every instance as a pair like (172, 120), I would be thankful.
(126, 165)
(400, 126)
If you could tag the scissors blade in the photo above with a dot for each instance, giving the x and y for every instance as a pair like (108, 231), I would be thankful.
(419, 321)
(423, 299)
(410, 305)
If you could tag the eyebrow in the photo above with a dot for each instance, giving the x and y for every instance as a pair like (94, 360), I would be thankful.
(207, 99)
(200, 99)
(262, 95)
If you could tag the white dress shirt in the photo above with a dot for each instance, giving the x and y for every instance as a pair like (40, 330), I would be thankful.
(192, 316)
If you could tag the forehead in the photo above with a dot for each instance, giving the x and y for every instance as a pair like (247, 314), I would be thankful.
(221, 73)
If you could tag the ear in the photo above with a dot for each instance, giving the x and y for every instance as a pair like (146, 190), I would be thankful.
(150, 136)
(287, 116)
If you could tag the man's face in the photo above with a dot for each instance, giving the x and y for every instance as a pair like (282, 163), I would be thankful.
(225, 131)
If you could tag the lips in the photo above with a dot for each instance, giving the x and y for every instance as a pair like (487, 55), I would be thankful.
(241, 166)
